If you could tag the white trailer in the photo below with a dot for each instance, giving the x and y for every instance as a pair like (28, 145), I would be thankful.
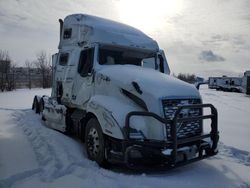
(224, 83)
(213, 82)
(112, 88)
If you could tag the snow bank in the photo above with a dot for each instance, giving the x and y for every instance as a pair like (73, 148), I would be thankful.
(21, 98)
(233, 116)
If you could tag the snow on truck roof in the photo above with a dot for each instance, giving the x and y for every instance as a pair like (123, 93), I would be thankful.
(92, 29)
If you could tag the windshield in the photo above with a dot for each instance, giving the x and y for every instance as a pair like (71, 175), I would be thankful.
(109, 55)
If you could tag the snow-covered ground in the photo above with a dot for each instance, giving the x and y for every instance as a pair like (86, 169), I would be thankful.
(32, 155)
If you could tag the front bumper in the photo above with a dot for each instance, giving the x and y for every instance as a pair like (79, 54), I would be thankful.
(174, 152)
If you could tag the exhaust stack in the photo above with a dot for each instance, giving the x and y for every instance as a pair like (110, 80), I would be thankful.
(61, 27)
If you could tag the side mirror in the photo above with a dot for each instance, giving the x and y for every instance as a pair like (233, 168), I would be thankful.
(197, 85)
(166, 66)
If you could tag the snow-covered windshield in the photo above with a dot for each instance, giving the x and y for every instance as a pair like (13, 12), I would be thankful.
(110, 55)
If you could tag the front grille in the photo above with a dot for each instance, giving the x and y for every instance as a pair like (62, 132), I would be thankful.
(183, 129)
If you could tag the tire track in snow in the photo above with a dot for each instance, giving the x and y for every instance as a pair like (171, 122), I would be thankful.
(8, 182)
(56, 158)
(54, 161)
(237, 155)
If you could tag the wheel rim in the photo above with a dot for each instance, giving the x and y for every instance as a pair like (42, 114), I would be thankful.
(93, 143)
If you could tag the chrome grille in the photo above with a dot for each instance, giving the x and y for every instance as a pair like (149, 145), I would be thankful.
(184, 129)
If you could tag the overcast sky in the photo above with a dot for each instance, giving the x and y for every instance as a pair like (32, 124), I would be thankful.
(205, 37)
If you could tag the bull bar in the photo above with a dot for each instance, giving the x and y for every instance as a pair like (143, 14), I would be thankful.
(175, 143)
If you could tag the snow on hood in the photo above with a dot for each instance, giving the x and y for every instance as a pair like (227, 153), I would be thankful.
(150, 81)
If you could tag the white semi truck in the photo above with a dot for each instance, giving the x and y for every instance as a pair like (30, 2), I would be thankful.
(111, 87)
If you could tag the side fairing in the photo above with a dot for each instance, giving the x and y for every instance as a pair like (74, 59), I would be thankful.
(111, 113)
(103, 107)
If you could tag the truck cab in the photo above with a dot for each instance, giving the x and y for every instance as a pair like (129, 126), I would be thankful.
(112, 88)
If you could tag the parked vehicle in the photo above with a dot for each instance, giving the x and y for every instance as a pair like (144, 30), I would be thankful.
(112, 88)
(246, 83)
(224, 83)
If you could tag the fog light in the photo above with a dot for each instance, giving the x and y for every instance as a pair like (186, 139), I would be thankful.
(167, 152)
(134, 153)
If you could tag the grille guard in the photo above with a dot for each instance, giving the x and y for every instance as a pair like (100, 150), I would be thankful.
(175, 142)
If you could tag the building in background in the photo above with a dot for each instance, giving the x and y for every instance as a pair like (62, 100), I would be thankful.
(6, 79)
(22, 77)
(25, 77)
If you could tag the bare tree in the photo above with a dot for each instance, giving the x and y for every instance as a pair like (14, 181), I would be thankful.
(4, 55)
(5, 64)
(190, 78)
(12, 76)
(29, 66)
(43, 63)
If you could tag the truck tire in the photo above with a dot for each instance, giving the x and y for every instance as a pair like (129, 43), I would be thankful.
(36, 106)
(69, 123)
(95, 142)
(41, 104)
(41, 108)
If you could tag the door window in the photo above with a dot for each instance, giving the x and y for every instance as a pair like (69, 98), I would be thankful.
(150, 63)
(86, 62)
(63, 59)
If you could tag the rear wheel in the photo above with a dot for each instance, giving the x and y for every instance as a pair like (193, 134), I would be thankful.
(41, 108)
(68, 121)
(41, 105)
(36, 106)
(95, 142)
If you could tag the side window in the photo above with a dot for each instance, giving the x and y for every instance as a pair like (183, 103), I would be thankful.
(86, 62)
(63, 59)
(67, 33)
(161, 63)
(156, 63)
(149, 63)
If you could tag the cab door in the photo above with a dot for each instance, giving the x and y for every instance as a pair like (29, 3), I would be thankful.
(83, 82)
(60, 75)
(61, 65)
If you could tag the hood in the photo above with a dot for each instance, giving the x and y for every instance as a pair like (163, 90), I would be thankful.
(149, 81)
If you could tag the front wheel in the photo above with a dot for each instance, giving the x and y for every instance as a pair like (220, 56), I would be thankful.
(95, 142)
